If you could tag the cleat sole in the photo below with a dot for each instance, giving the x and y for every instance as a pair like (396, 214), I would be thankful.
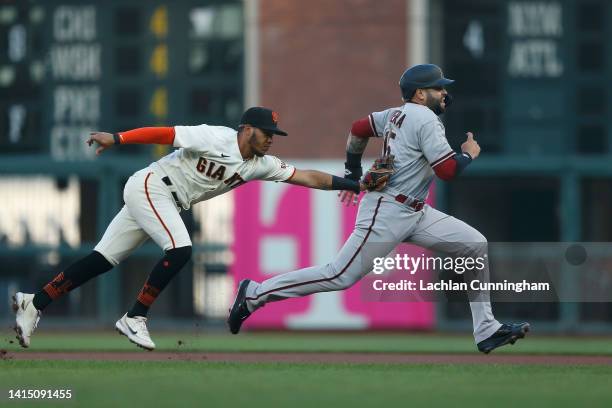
(132, 341)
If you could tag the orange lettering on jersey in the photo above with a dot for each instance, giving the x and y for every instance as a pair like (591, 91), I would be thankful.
(220, 173)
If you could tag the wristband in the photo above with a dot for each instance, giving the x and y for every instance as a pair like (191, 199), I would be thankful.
(117, 138)
(352, 166)
(353, 159)
(339, 183)
(463, 159)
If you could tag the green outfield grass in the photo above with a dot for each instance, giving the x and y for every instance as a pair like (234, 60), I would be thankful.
(213, 384)
(154, 384)
(304, 342)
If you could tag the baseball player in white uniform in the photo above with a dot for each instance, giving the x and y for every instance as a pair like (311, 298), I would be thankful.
(209, 161)
(415, 135)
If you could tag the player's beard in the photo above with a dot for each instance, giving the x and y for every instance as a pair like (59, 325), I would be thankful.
(256, 150)
(435, 104)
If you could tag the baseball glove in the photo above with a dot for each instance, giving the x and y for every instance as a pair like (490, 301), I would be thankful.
(379, 174)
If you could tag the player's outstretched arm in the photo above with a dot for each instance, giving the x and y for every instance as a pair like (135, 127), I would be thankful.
(323, 181)
(103, 140)
(146, 135)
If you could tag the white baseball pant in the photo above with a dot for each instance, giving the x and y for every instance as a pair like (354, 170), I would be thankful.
(150, 211)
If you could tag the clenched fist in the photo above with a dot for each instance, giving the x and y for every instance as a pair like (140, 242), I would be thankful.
(470, 146)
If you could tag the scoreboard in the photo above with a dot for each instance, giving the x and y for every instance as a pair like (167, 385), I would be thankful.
(69, 67)
(533, 76)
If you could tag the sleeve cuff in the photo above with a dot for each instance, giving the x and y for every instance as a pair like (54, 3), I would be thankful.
(443, 159)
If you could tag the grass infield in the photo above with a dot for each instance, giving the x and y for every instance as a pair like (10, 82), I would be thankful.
(308, 342)
(104, 384)
(216, 384)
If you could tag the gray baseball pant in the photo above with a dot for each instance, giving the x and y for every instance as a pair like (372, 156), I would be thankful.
(382, 223)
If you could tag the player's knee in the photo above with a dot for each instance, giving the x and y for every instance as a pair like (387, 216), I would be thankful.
(100, 261)
(345, 281)
(335, 279)
(481, 238)
(344, 284)
(179, 256)
(477, 244)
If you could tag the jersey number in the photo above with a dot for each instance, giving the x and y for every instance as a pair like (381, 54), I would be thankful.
(389, 134)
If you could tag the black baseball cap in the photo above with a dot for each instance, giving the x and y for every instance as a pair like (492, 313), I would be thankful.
(262, 118)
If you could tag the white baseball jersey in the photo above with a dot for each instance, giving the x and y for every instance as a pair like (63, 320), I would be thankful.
(415, 135)
(209, 163)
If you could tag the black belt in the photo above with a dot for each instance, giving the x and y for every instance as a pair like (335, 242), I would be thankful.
(167, 182)
(416, 205)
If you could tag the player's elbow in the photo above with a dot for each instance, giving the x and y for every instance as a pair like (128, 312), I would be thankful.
(446, 170)
(445, 176)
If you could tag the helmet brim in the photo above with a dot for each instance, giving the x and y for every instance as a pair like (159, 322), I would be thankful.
(440, 82)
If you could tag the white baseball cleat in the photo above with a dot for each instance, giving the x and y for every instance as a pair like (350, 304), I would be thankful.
(26, 317)
(135, 328)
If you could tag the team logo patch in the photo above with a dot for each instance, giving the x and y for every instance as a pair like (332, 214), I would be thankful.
(274, 117)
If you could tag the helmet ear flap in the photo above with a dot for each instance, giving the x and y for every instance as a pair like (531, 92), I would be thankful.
(408, 94)
(405, 87)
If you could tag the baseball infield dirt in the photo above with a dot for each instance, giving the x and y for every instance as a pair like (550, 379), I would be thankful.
(349, 358)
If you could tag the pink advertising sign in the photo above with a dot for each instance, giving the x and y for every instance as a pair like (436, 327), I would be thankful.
(279, 227)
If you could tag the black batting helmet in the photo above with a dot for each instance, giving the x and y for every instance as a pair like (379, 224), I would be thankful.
(421, 76)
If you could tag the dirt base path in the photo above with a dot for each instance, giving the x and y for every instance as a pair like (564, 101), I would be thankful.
(351, 358)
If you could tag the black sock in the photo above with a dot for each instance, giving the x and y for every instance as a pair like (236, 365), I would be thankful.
(74, 276)
(161, 275)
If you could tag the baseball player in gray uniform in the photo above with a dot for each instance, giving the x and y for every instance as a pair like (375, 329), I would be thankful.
(209, 161)
(414, 134)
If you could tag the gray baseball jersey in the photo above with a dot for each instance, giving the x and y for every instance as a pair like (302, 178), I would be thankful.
(415, 135)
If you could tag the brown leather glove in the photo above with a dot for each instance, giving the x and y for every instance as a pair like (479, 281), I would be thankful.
(379, 174)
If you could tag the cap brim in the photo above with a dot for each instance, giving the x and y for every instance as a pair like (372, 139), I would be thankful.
(275, 131)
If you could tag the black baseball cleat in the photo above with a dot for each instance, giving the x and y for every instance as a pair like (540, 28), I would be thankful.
(507, 333)
(239, 311)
